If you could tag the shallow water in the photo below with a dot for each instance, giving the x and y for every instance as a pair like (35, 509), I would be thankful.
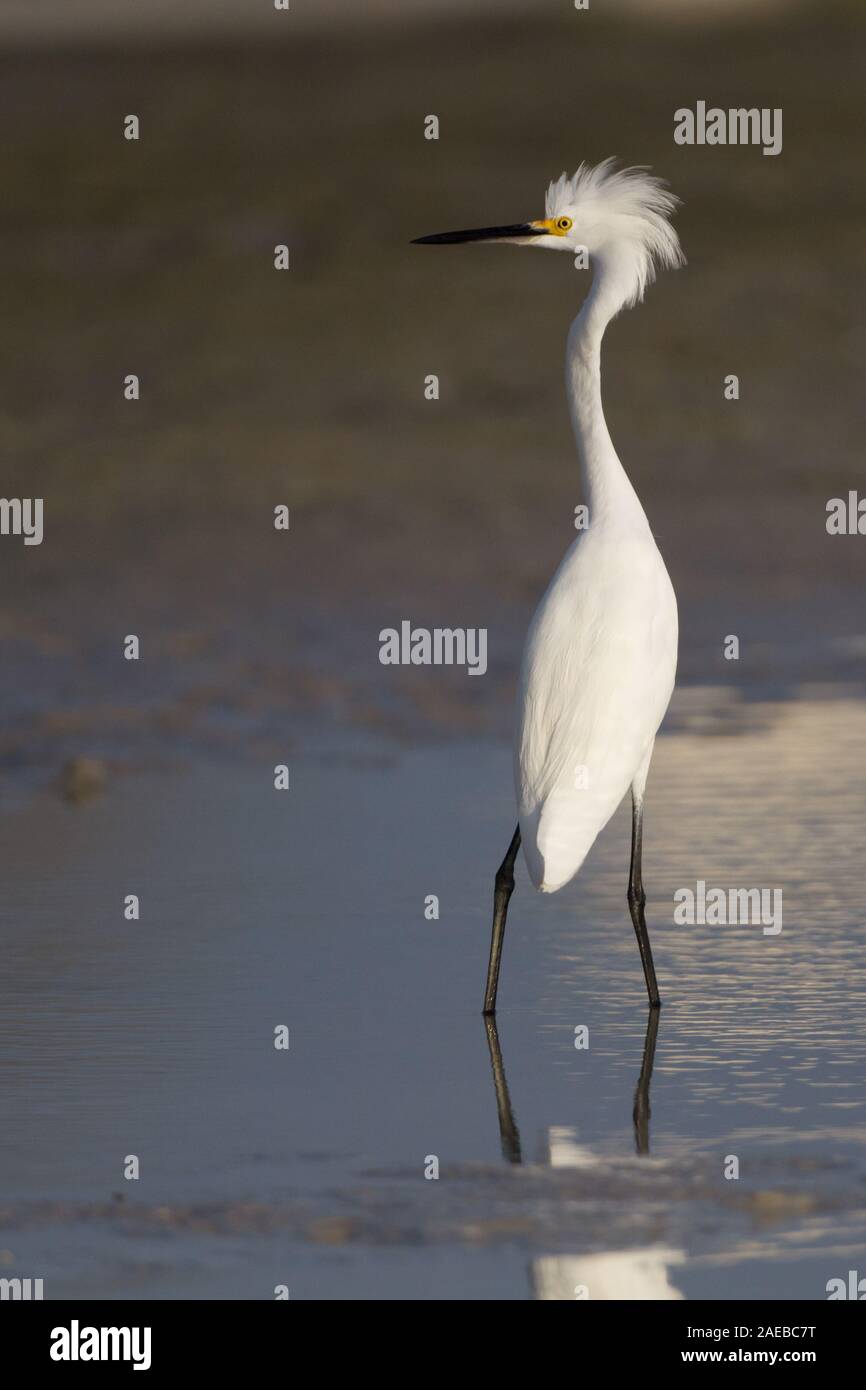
(306, 908)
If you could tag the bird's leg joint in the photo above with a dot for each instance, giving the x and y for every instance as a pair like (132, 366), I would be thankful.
(504, 881)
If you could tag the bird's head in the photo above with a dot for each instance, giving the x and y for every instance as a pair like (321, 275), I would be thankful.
(618, 217)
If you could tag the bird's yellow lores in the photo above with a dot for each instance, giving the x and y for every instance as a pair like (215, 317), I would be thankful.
(556, 226)
(600, 657)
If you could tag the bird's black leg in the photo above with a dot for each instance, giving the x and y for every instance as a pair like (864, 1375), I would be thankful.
(503, 888)
(637, 903)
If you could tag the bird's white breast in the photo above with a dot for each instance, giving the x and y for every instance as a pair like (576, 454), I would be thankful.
(597, 675)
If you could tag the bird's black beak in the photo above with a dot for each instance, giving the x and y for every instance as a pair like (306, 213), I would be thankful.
(520, 231)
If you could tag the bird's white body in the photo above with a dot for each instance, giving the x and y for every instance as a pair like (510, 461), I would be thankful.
(598, 672)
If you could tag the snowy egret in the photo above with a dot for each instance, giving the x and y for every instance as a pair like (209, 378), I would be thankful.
(600, 657)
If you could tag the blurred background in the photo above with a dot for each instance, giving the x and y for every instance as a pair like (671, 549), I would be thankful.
(154, 1036)
(306, 388)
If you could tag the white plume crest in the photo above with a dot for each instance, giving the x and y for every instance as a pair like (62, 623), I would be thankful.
(630, 208)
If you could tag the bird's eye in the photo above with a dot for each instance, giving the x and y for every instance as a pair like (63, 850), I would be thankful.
(564, 224)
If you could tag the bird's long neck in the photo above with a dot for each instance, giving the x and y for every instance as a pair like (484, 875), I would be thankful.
(607, 490)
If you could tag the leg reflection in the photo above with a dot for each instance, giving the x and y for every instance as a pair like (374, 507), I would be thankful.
(508, 1131)
(641, 1111)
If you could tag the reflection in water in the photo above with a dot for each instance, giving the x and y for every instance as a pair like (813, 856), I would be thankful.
(559, 1149)
(761, 1048)
(510, 1134)
(508, 1131)
(621, 1274)
(627, 1274)
(641, 1111)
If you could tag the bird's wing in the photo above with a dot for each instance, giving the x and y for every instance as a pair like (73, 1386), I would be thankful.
(597, 677)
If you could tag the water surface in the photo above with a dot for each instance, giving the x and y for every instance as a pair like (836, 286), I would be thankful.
(559, 1169)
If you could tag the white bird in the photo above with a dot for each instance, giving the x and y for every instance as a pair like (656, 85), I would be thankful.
(600, 657)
